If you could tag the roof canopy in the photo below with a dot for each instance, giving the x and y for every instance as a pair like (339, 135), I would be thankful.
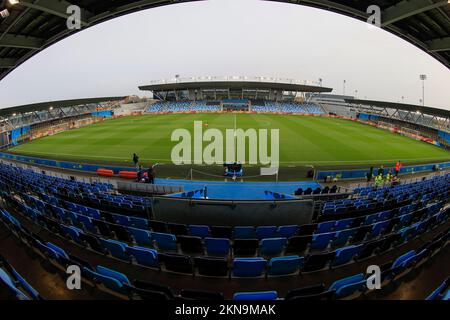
(234, 83)
(55, 104)
(442, 113)
(33, 25)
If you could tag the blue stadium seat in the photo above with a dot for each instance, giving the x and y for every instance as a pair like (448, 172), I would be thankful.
(263, 295)
(144, 256)
(248, 267)
(370, 219)
(446, 296)
(86, 223)
(288, 231)
(385, 215)
(325, 227)
(217, 246)
(6, 279)
(73, 233)
(72, 216)
(113, 274)
(284, 265)
(346, 254)
(272, 246)
(343, 237)
(321, 241)
(116, 248)
(403, 263)
(343, 224)
(141, 237)
(266, 232)
(122, 220)
(378, 228)
(405, 220)
(48, 252)
(348, 286)
(243, 232)
(93, 213)
(199, 231)
(439, 290)
(109, 282)
(139, 223)
(403, 258)
(60, 252)
(165, 241)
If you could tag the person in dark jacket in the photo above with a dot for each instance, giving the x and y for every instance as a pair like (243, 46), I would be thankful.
(381, 171)
(135, 159)
(369, 174)
(151, 174)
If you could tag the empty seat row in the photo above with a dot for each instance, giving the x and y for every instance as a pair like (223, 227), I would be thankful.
(242, 267)
(13, 286)
(222, 246)
(240, 232)
(442, 292)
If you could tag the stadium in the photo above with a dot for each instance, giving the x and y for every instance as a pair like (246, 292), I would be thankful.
(283, 190)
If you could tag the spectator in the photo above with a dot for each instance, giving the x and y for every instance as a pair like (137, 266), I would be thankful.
(398, 167)
(151, 174)
(369, 174)
(135, 159)
(380, 171)
(140, 174)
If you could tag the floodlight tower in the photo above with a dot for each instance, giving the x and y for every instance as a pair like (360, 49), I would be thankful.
(423, 77)
(5, 6)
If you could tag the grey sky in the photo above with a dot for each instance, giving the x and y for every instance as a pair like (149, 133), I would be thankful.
(229, 37)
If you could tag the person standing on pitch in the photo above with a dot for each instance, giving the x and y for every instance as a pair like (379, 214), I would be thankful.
(151, 174)
(398, 166)
(135, 159)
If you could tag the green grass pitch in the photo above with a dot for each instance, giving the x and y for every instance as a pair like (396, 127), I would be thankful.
(303, 140)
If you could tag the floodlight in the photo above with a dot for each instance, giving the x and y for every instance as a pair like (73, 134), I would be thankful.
(4, 13)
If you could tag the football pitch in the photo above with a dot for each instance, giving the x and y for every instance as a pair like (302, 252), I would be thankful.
(303, 140)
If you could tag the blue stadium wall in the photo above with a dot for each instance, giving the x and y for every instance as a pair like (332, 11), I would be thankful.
(320, 175)
(361, 174)
(17, 133)
(60, 164)
(444, 136)
(367, 117)
(103, 114)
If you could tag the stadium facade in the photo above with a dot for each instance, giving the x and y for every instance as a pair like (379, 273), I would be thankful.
(226, 88)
